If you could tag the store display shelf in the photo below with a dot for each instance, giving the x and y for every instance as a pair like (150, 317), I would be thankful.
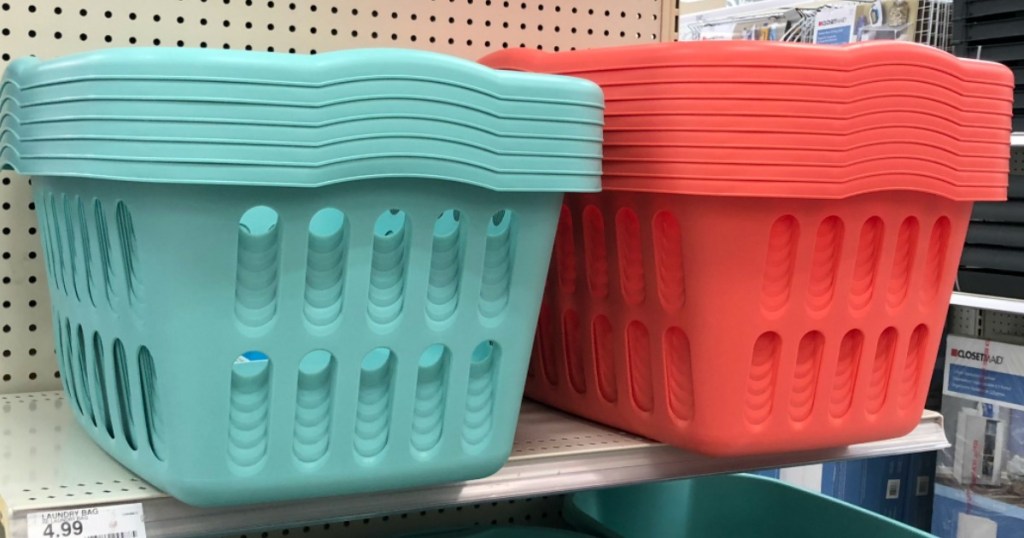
(987, 302)
(1017, 139)
(48, 463)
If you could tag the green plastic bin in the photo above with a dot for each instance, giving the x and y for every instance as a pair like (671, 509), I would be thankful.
(729, 505)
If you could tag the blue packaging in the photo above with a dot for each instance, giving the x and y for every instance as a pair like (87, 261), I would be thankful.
(920, 490)
(876, 484)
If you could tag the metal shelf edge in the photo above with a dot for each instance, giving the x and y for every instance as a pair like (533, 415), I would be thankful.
(987, 302)
(549, 471)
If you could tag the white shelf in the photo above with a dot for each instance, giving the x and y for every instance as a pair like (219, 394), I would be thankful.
(987, 302)
(48, 463)
(1017, 139)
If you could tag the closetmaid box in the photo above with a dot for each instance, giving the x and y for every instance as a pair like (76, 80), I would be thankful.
(980, 478)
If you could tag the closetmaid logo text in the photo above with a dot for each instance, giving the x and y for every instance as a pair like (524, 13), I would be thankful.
(830, 22)
(980, 356)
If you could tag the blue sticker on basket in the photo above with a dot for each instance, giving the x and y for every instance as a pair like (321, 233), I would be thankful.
(252, 356)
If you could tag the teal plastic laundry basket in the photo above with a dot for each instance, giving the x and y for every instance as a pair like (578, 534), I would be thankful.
(277, 277)
(737, 506)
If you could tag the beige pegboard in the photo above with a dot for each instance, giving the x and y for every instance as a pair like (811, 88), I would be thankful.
(467, 28)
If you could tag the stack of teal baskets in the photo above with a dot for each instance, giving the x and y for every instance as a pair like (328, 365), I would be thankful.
(277, 277)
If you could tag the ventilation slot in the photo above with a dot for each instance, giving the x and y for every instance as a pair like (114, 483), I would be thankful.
(779, 264)
(914, 367)
(865, 269)
(565, 253)
(83, 234)
(550, 359)
(534, 366)
(638, 350)
(596, 251)
(847, 366)
(631, 261)
(325, 267)
(151, 403)
(98, 363)
(572, 344)
(69, 236)
(604, 359)
(668, 252)
(256, 277)
(499, 253)
(387, 270)
(825, 265)
(314, 398)
(122, 385)
(64, 358)
(479, 417)
(82, 374)
(60, 266)
(48, 243)
(935, 264)
(373, 410)
(761, 383)
(249, 415)
(431, 393)
(445, 267)
(129, 252)
(103, 242)
(679, 373)
(903, 263)
(805, 376)
(881, 370)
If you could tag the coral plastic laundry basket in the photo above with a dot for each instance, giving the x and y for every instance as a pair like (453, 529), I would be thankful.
(769, 264)
(277, 277)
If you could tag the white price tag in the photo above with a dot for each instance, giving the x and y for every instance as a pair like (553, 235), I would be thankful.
(116, 521)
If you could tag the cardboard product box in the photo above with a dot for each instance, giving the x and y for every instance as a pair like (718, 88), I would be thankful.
(979, 488)
(767, 28)
(770, 473)
(877, 484)
(887, 485)
(851, 21)
(920, 490)
(958, 513)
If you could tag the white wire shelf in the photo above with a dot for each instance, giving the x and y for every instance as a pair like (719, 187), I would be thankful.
(987, 302)
(48, 463)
